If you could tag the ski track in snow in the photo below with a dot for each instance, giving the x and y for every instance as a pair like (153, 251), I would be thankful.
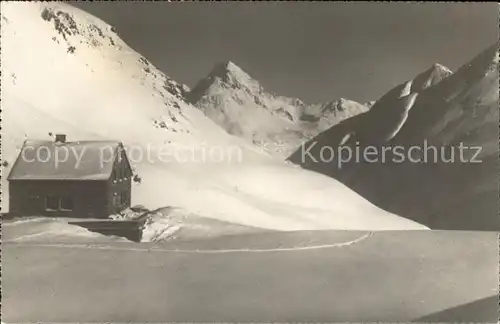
(20, 238)
(22, 222)
(198, 251)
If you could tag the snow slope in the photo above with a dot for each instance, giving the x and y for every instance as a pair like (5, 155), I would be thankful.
(439, 110)
(84, 81)
(240, 105)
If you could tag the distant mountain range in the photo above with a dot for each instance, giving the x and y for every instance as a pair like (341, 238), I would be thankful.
(240, 105)
(445, 111)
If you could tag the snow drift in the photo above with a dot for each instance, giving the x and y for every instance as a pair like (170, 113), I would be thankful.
(166, 224)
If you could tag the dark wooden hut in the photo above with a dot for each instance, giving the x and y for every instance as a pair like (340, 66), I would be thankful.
(84, 179)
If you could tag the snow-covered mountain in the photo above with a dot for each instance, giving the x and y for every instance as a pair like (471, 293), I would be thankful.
(65, 71)
(240, 105)
(438, 110)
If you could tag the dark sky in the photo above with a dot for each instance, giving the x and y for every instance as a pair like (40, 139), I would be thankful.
(314, 51)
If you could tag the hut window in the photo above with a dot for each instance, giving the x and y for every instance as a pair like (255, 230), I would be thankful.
(58, 203)
(51, 203)
(66, 203)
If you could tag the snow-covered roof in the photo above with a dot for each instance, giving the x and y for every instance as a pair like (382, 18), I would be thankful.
(82, 160)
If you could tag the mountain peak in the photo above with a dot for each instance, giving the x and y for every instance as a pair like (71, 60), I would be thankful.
(432, 76)
(224, 67)
(232, 67)
(439, 68)
(231, 73)
(426, 79)
(342, 100)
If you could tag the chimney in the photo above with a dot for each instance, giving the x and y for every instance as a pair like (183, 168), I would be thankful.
(60, 138)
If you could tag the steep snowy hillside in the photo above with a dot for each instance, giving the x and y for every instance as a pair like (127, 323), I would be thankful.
(65, 71)
(240, 105)
(430, 117)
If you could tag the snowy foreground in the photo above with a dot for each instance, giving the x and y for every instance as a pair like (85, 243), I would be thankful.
(87, 83)
(303, 276)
